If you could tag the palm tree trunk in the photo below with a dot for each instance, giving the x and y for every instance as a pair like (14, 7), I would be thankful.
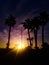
(35, 35)
(29, 37)
(42, 34)
(9, 37)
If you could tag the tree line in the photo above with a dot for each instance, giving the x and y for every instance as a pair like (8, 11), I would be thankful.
(32, 25)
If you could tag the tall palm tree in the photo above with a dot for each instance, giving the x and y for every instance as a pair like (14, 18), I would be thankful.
(10, 22)
(27, 26)
(43, 20)
(35, 27)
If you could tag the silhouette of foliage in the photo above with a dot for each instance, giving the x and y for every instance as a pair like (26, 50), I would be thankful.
(10, 22)
(35, 23)
(27, 26)
(44, 18)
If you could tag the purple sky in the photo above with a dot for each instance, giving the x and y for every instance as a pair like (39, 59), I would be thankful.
(21, 9)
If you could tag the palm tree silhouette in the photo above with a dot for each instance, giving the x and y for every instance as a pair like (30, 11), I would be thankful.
(43, 21)
(35, 27)
(27, 26)
(10, 22)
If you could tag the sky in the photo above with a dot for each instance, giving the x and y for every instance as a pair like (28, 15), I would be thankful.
(21, 9)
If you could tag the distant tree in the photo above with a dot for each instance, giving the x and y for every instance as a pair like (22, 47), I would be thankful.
(10, 22)
(35, 27)
(27, 26)
(43, 20)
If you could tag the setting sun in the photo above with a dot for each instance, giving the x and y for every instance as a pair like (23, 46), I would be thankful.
(21, 46)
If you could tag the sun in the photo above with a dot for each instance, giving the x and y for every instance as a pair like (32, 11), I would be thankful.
(21, 46)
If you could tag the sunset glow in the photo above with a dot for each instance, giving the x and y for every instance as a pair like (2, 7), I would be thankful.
(21, 46)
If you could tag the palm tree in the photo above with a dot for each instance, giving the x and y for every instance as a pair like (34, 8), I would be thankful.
(27, 26)
(43, 21)
(35, 27)
(10, 22)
